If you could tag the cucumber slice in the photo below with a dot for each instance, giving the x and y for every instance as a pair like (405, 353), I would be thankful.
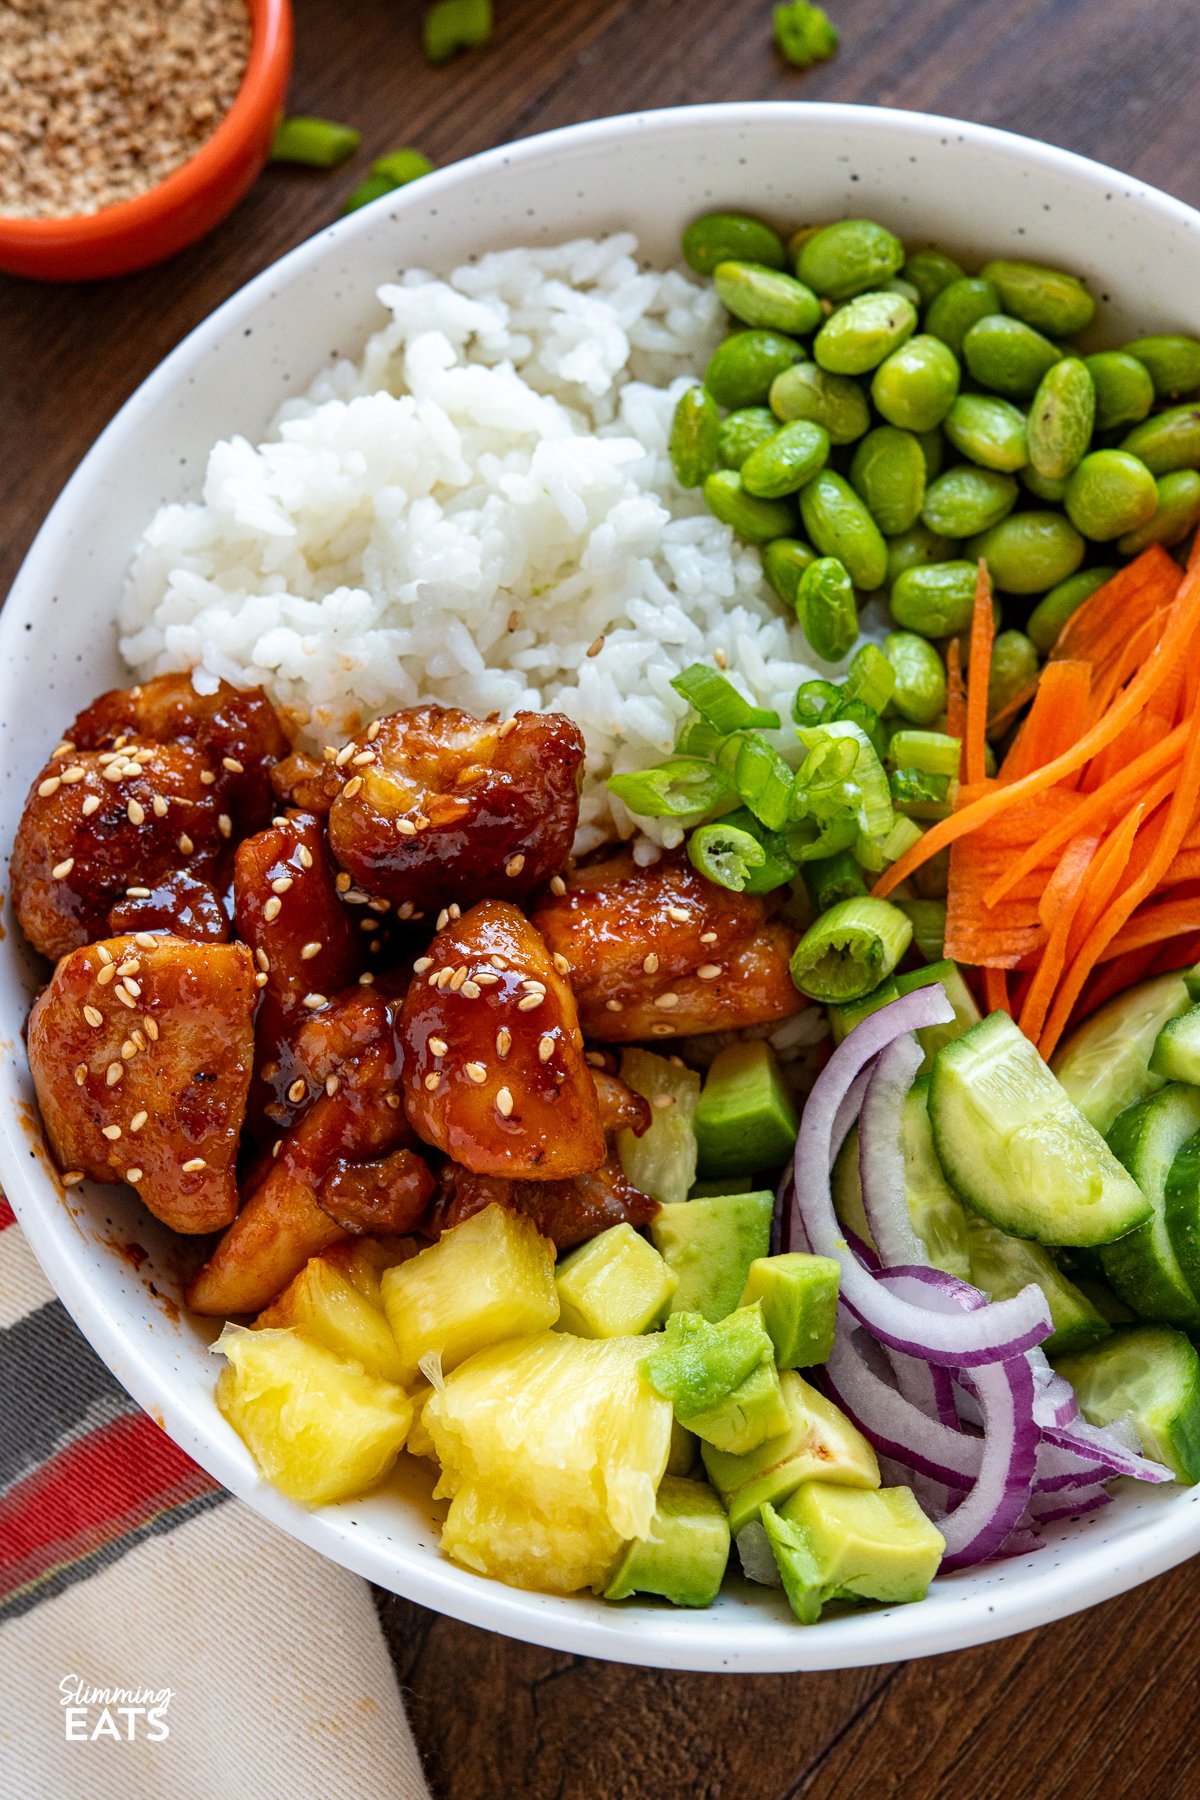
(966, 1013)
(936, 1211)
(1181, 1203)
(1003, 1265)
(1191, 981)
(1148, 1375)
(1013, 1146)
(1144, 1268)
(1105, 1065)
(1176, 1053)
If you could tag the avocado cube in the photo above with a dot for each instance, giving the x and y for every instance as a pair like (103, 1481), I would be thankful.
(616, 1285)
(681, 1457)
(820, 1442)
(839, 1543)
(684, 1557)
(745, 1117)
(710, 1244)
(726, 1184)
(748, 1416)
(720, 1378)
(798, 1295)
(662, 1161)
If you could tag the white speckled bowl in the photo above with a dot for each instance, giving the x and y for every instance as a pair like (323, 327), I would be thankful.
(975, 190)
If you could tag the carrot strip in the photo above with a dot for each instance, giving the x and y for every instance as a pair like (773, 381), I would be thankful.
(1186, 867)
(956, 693)
(1153, 925)
(1106, 619)
(1063, 886)
(1180, 953)
(1056, 719)
(1103, 879)
(978, 672)
(1115, 863)
(995, 991)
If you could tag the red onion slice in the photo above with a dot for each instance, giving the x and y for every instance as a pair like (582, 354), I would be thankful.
(1105, 1451)
(896, 1427)
(1044, 1510)
(881, 1153)
(980, 1526)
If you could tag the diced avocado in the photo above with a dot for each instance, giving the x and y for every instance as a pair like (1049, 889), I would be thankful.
(710, 1245)
(929, 926)
(819, 1442)
(684, 1557)
(754, 1412)
(662, 1162)
(1003, 1265)
(684, 1452)
(720, 1378)
(937, 1214)
(1176, 1053)
(615, 1285)
(1149, 1376)
(745, 1117)
(1181, 1204)
(1013, 1146)
(798, 1295)
(728, 1184)
(836, 1543)
(1105, 1065)
(948, 976)
(1144, 1267)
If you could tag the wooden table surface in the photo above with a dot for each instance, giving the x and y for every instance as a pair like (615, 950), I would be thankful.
(1104, 1704)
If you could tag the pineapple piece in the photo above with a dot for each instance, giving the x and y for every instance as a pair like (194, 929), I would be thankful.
(328, 1309)
(319, 1428)
(490, 1278)
(662, 1161)
(363, 1260)
(419, 1442)
(552, 1448)
(613, 1286)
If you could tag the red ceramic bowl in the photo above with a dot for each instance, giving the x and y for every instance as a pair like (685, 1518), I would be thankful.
(190, 201)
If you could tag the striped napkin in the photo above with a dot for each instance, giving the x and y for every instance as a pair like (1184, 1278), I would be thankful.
(157, 1637)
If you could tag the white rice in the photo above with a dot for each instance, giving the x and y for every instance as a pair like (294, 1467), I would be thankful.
(480, 512)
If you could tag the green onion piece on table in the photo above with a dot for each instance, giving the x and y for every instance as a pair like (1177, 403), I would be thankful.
(375, 187)
(453, 25)
(804, 34)
(719, 703)
(316, 143)
(726, 855)
(682, 787)
(930, 752)
(402, 166)
(850, 949)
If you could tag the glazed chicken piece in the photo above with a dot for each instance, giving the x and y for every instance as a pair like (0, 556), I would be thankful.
(620, 1108)
(302, 782)
(568, 1212)
(389, 1196)
(312, 1052)
(663, 952)
(494, 1073)
(180, 904)
(141, 1051)
(101, 827)
(236, 731)
(356, 1119)
(441, 807)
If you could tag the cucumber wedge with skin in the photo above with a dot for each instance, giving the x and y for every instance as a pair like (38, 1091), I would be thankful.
(1181, 1203)
(1143, 1268)
(1105, 1064)
(1176, 1054)
(1002, 1265)
(1015, 1149)
(1148, 1376)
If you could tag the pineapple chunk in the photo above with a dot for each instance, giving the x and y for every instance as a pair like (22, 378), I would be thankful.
(363, 1260)
(552, 1448)
(613, 1286)
(662, 1162)
(322, 1304)
(490, 1278)
(419, 1442)
(319, 1428)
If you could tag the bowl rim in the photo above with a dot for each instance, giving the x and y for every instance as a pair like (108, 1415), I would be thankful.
(211, 164)
(666, 1639)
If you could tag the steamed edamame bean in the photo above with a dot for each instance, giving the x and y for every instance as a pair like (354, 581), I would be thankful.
(936, 599)
(758, 521)
(695, 436)
(847, 258)
(1008, 356)
(767, 298)
(933, 449)
(784, 561)
(1053, 610)
(860, 334)
(1178, 510)
(1061, 418)
(787, 461)
(888, 473)
(920, 691)
(740, 370)
(898, 285)
(991, 432)
(1169, 440)
(967, 500)
(834, 402)
(1124, 390)
(729, 237)
(917, 384)
(743, 431)
(930, 271)
(958, 307)
(825, 608)
(839, 525)
(1014, 668)
(914, 548)
(1029, 552)
(1110, 493)
(1172, 361)
(1048, 299)
(1044, 487)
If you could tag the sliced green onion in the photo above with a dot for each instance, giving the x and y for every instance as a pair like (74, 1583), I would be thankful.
(809, 838)
(813, 701)
(850, 949)
(760, 775)
(685, 786)
(866, 716)
(833, 878)
(920, 796)
(871, 678)
(453, 25)
(901, 838)
(929, 752)
(803, 33)
(718, 701)
(697, 738)
(402, 166)
(375, 187)
(726, 855)
(779, 867)
(873, 803)
(317, 143)
(868, 854)
(928, 923)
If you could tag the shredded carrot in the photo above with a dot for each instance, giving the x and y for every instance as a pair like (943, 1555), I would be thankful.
(979, 669)
(1100, 628)
(1063, 886)
(956, 693)
(1179, 953)
(1153, 925)
(1186, 867)
(995, 991)
(1113, 978)
(1056, 719)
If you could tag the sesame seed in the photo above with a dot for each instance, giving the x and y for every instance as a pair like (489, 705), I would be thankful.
(560, 962)
(332, 1084)
(708, 937)
(94, 1016)
(133, 1175)
(372, 731)
(443, 978)
(114, 772)
(186, 846)
(304, 856)
(61, 870)
(596, 646)
(263, 961)
(137, 1121)
(668, 1002)
(273, 908)
(514, 865)
(130, 966)
(454, 910)
(503, 1041)
(508, 725)
(91, 804)
(329, 752)
(366, 980)
(406, 828)
(662, 1101)
(533, 985)
(650, 964)
(281, 884)
(504, 1103)
(498, 962)
(475, 1071)
(594, 1058)
(260, 980)
(138, 1039)
(50, 786)
(136, 812)
(362, 759)
(458, 978)
(75, 773)
(297, 1091)
(379, 906)
(422, 963)
(313, 1001)
(158, 807)
(613, 1006)
(558, 886)
(104, 975)
(720, 658)
(528, 1003)
(233, 765)
(151, 1029)
(113, 1073)
(276, 1147)
(431, 1081)
(126, 998)
(128, 1050)
(104, 953)
(224, 824)
(443, 919)
(131, 986)
(63, 749)
(483, 978)
(207, 777)
(342, 883)
(679, 915)
(146, 940)
(470, 990)
(81, 1070)
(193, 1165)
(71, 1178)
(438, 1046)
(545, 1048)
(308, 951)
(708, 971)
(352, 786)
(111, 1132)
(343, 756)
(137, 893)
(661, 1031)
